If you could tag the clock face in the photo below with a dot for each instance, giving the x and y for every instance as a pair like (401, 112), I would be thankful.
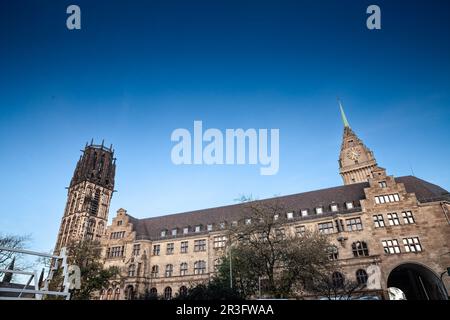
(353, 153)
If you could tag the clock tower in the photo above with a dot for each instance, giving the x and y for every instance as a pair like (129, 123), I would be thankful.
(356, 161)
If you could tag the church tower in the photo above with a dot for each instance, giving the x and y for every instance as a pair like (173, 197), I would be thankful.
(356, 161)
(89, 196)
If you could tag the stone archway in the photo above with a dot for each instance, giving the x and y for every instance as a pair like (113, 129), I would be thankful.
(417, 282)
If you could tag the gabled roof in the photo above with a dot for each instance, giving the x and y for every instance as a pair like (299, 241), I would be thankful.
(150, 228)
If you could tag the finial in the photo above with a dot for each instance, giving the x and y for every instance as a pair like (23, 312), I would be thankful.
(344, 118)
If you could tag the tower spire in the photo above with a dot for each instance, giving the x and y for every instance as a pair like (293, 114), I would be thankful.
(344, 118)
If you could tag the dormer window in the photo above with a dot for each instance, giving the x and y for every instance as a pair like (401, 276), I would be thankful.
(275, 217)
(234, 223)
(304, 212)
(163, 233)
(334, 207)
(197, 228)
(290, 215)
(349, 205)
(222, 225)
(185, 230)
(174, 231)
(248, 221)
(319, 210)
(209, 227)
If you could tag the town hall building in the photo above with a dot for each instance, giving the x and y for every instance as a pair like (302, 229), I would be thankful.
(388, 231)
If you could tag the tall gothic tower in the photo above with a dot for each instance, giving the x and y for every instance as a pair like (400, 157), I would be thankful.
(89, 196)
(356, 161)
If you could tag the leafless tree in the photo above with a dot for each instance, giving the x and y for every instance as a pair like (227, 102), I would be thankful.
(266, 247)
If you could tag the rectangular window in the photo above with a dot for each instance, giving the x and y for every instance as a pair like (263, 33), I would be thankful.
(117, 235)
(220, 241)
(115, 252)
(248, 221)
(387, 198)
(354, 224)
(319, 210)
(184, 247)
(163, 233)
(222, 225)
(300, 230)
(197, 228)
(185, 230)
(280, 234)
(136, 249)
(275, 217)
(290, 215)
(304, 213)
(391, 246)
(393, 219)
(382, 184)
(119, 223)
(378, 220)
(174, 232)
(200, 245)
(334, 207)
(339, 225)
(209, 227)
(349, 205)
(326, 227)
(412, 244)
(408, 217)
(156, 249)
(170, 248)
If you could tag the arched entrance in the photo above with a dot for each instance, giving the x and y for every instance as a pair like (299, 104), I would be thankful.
(417, 282)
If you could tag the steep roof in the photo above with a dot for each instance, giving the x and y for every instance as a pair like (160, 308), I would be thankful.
(150, 228)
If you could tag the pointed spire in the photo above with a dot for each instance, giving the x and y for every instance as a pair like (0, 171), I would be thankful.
(344, 118)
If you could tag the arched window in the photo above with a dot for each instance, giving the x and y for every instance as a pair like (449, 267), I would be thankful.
(183, 269)
(117, 294)
(360, 249)
(200, 267)
(361, 276)
(132, 270)
(153, 292)
(109, 294)
(183, 291)
(168, 293)
(338, 279)
(102, 294)
(333, 253)
(129, 293)
(169, 270)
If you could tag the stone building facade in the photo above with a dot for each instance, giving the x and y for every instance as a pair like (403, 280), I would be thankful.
(89, 196)
(388, 232)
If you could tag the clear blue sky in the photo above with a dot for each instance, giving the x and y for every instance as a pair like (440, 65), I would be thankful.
(137, 70)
